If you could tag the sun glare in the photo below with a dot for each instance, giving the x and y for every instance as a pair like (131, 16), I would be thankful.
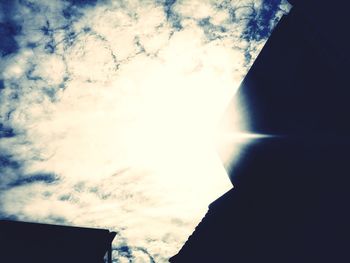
(176, 125)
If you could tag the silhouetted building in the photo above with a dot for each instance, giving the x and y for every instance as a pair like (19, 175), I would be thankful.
(38, 243)
(291, 197)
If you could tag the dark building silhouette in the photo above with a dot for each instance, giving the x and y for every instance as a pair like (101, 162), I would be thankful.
(38, 243)
(291, 197)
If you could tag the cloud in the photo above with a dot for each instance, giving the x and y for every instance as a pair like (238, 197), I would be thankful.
(8, 29)
(108, 112)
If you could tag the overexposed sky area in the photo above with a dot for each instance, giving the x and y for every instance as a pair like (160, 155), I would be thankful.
(109, 112)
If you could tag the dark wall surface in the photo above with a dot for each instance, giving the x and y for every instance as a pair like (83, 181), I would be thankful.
(30, 242)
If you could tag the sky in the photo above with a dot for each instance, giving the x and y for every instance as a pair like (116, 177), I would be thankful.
(109, 112)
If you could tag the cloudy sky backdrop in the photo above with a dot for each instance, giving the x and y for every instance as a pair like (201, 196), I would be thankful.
(108, 112)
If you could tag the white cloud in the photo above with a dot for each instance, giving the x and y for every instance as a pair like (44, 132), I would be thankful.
(122, 107)
(194, 9)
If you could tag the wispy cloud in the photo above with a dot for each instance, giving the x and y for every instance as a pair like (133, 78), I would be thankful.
(108, 110)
